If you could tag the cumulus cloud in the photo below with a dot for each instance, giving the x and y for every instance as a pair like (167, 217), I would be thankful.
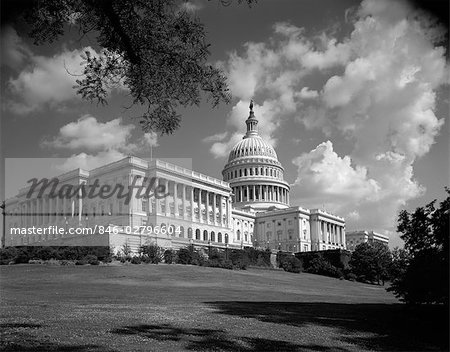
(46, 81)
(376, 87)
(90, 161)
(91, 135)
(97, 143)
(14, 52)
(324, 176)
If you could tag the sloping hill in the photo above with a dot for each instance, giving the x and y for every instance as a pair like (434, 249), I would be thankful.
(174, 307)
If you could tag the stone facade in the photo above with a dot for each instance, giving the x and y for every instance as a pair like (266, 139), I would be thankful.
(249, 207)
(357, 237)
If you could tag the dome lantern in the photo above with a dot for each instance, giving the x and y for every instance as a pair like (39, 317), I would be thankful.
(251, 122)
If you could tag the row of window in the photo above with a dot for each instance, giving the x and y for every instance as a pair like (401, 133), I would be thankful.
(254, 171)
(198, 234)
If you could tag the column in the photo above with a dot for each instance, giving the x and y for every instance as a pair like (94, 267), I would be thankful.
(184, 200)
(207, 207)
(221, 210)
(175, 199)
(166, 201)
(64, 206)
(214, 210)
(192, 204)
(41, 211)
(158, 202)
(228, 212)
(80, 206)
(200, 215)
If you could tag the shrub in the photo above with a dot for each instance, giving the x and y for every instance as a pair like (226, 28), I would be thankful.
(67, 262)
(291, 264)
(45, 253)
(320, 266)
(169, 256)
(184, 256)
(239, 259)
(91, 259)
(136, 260)
(7, 255)
(261, 261)
(151, 253)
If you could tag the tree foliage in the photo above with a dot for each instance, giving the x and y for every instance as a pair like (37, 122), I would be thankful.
(153, 48)
(426, 234)
(371, 262)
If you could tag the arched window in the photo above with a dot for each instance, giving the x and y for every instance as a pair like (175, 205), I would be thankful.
(190, 232)
(226, 238)
(240, 173)
(213, 236)
(251, 171)
(219, 237)
(181, 231)
(245, 172)
(238, 234)
(245, 236)
(205, 235)
(197, 234)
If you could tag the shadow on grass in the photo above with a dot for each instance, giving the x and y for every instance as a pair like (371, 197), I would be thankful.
(18, 337)
(388, 327)
(212, 339)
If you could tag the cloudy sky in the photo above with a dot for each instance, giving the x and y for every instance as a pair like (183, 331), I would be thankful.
(354, 96)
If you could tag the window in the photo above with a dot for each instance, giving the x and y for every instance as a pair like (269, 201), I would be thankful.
(238, 234)
(219, 237)
(144, 205)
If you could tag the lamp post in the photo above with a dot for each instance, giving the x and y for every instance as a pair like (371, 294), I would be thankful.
(226, 246)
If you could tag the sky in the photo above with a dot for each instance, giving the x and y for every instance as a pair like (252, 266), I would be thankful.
(353, 95)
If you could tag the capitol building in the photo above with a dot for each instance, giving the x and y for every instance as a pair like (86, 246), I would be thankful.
(249, 207)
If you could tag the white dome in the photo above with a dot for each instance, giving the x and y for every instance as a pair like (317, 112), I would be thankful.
(252, 146)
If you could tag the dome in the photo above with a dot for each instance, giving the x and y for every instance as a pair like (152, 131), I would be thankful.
(252, 146)
(254, 173)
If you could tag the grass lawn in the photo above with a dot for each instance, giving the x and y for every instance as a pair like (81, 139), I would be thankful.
(176, 308)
